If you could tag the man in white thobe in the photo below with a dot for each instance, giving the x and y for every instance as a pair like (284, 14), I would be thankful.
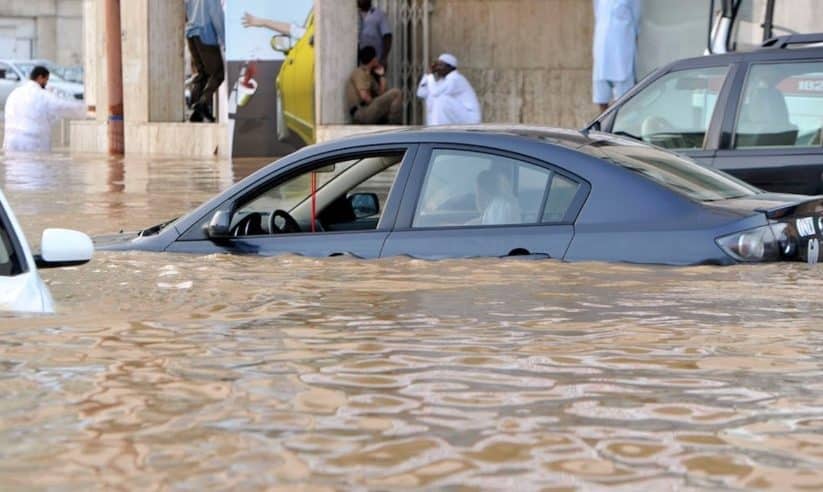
(30, 112)
(450, 99)
(616, 25)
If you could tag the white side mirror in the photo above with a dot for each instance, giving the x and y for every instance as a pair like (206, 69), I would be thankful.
(281, 43)
(64, 247)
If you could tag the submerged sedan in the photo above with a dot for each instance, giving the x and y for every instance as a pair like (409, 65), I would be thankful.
(495, 192)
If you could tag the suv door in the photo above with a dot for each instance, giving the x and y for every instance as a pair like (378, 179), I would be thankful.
(469, 202)
(676, 110)
(339, 204)
(775, 127)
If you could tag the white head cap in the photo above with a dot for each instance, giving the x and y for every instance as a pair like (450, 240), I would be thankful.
(448, 59)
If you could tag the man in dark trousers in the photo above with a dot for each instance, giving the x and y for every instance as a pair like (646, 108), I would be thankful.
(205, 35)
(374, 30)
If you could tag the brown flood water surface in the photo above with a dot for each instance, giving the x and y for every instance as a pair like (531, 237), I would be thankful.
(228, 372)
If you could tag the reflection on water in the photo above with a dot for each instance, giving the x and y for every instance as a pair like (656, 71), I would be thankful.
(238, 372)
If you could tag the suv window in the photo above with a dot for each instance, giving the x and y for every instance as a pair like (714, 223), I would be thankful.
(675, 110)
(782, 106)
(464, 188)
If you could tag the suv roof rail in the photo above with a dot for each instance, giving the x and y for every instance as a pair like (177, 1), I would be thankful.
(785, 41)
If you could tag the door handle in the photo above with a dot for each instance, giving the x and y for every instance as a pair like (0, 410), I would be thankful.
(344, 253)
(525, 254)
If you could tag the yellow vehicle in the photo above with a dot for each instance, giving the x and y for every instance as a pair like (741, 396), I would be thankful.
(295, 85)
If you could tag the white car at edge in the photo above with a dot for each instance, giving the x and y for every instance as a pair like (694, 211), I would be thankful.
(21, 288)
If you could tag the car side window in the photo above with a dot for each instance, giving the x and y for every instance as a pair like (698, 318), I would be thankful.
(8, 73)
(464, 188)
(9, 263)
(561, 196)
(782, 106)
(344, 195)
(674, 111)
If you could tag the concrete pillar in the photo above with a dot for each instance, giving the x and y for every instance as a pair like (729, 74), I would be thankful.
(153, 71)
(46, 44)
(89, 53)
(98, 64)
(335, 45)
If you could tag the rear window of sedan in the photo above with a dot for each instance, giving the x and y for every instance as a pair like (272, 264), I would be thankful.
(675, 172)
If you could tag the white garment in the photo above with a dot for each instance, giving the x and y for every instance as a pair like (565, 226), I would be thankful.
(615, 39)
(501, 211)
(30, 113)
(449, 101)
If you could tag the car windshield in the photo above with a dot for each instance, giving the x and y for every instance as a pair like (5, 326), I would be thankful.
(671, 170)
(26, 68)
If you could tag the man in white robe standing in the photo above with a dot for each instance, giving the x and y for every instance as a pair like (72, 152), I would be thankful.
(31, 110)
(616, 24)
(450, 99)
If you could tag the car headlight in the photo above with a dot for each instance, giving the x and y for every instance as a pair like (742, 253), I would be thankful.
(766, 243)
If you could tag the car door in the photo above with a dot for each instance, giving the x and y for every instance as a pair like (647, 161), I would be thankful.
(469, 202)
(9, 79)
(304, 84)
(324, 196)
(680, 110)
(774, 128)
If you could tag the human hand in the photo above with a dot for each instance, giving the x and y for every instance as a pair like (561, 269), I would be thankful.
(250, 20)
(379, 70)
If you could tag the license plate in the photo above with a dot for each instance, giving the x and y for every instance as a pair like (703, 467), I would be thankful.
(805, 226)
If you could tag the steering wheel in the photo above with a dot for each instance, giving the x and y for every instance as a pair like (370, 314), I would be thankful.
(250, 225)
(289, 225)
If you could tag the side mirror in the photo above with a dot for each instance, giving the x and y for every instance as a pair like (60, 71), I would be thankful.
(64, 247)
(364, 204)
(219, 226)
(281, 43)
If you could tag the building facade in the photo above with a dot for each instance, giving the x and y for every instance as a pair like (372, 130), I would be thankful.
(50, 29)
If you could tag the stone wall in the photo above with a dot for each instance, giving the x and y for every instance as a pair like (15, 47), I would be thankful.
(529, 60)
(59, 27)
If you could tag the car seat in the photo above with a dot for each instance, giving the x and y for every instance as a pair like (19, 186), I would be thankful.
(764, 120)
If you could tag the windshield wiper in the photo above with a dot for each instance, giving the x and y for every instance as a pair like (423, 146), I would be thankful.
(155, 229)
(627, 134)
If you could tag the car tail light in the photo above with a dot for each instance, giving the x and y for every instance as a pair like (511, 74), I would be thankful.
(767, 243)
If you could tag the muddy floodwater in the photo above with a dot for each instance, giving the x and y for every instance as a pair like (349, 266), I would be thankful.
(224, 372)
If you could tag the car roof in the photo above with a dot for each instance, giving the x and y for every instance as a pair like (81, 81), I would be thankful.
(764, 53)
(467, 134)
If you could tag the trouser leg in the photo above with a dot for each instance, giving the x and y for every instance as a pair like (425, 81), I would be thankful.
(381, 107)
(212, 60)
(198, 83)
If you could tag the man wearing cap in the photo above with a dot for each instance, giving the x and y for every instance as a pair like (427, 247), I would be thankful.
(450, 99)
(368, 97)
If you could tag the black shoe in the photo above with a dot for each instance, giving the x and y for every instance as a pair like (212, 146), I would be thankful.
(204, 112)
(196, 117)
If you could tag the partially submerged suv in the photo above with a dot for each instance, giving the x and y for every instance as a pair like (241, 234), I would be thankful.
(756, 115)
